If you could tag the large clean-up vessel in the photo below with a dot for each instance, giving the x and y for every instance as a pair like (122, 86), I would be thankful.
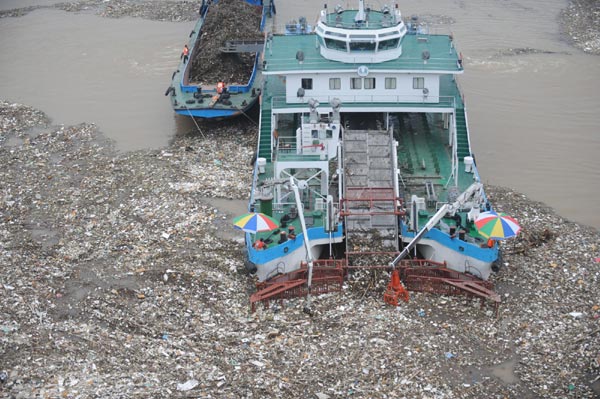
(218, 74)
(364, 136)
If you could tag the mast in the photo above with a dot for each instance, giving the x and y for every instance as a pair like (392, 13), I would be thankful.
(360, 15)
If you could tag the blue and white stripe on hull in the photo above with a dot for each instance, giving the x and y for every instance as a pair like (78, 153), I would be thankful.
(459, 255)
(209, 113)
(286, 257)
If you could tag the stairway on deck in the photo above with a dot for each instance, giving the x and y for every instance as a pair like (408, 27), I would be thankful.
(264, 146)
(369, 201)
(462, 136)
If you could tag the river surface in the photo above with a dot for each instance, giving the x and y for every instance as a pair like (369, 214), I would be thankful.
(533, 114)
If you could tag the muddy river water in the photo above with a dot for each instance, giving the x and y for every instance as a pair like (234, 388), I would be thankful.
(532, 99)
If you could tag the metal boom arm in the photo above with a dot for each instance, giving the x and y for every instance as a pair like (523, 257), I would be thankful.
(309, 257)
(466, 196)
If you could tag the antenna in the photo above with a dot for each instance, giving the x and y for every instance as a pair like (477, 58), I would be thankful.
(314, 115)
(425, 55)
(360, 14)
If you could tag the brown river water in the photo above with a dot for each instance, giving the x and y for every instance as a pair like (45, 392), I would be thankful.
(533, 113)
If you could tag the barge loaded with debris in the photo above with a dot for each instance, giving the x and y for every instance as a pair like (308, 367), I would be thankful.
(364, 139)
(219, 75)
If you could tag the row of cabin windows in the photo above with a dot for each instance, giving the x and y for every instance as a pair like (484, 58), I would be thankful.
(359, 83)
(340, 45)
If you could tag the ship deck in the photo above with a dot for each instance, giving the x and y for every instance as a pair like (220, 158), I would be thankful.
(443, 56)
(424, 153)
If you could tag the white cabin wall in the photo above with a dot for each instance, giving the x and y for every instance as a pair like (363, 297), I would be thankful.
(404, 91)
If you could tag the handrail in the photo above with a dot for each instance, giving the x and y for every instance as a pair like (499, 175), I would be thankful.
(358, 99)
(405, 63)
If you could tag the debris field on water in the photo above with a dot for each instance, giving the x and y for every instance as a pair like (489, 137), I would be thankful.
(121, 278)
(117, 280)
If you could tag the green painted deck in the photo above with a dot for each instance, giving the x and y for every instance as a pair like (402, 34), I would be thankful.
(443, 57)
(424, 155)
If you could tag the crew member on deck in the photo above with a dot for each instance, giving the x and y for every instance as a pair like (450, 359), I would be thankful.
(292, 233)
(185, 53)
(282, 237)
(489, 244)
(221, 87)
(260, 244)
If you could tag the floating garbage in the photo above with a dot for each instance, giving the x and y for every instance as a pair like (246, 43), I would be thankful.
(188, 385)
(153, 316)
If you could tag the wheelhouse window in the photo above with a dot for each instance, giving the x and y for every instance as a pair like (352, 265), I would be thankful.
(390, 83)
(307, 84)
(356, 83)
(389, 44)
(333, 44)
(335, 83)
(418, 83)
(369, 83)
(362, 46)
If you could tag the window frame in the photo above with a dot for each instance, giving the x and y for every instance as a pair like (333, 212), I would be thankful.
(370, 80)
(305, 82)
(391, 79)
(353, 82)
(337, 82)
(418, 82)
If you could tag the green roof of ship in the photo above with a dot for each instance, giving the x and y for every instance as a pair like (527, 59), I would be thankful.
(442, 56)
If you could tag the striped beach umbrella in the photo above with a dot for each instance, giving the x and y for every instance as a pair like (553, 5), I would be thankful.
(255, 222)
(496, 226)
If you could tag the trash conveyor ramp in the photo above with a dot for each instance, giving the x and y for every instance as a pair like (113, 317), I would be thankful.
(370, 195)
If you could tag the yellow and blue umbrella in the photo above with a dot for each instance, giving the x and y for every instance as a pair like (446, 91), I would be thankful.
(497, 226)
(255, 222)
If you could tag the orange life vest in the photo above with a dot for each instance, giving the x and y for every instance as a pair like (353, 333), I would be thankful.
(220, 87)
(186, 51)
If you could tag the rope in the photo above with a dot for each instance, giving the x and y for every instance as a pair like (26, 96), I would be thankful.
(195, 123)
(246, 115)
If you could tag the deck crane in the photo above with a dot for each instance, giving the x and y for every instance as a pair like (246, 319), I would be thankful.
(472, 194)
(395, 290)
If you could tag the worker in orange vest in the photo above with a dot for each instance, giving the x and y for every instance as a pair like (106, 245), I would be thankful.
(260, 244)
(220, 87)
(185, 54)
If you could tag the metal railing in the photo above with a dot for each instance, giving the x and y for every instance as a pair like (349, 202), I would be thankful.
(286, 150)
(309, 64)
(362, 99)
